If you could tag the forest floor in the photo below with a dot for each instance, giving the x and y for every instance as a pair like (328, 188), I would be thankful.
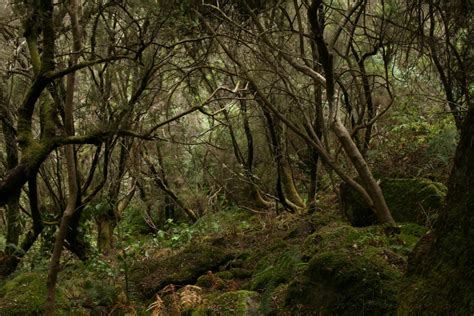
(233, 262)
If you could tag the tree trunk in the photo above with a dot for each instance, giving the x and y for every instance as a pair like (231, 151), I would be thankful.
(69, 151)
(440, 277)
(277, 151)
(379, 206)
(105, 227)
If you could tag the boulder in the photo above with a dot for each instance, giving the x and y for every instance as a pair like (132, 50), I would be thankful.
(343, 283)
(409, 200)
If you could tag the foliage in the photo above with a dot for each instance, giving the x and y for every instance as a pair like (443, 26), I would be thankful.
(417, 142)
(174, 235)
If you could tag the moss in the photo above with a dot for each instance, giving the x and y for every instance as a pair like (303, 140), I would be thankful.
(440, 275)
(275, 268)
(276, 305)
(225, 275)
(230, 303)
(338, 282)
(240, 273)
(409, 200)
(290, 191)
(25, 294)
(373, 242)
(441, 292)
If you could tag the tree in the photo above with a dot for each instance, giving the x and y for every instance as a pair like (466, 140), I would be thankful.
(278, 58)
(445, 256)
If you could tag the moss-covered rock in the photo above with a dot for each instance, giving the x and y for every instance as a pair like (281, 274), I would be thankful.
(230, 303)
(342, 283)
(25, 294)
(275, 268)
(184, 267)
(409, 200)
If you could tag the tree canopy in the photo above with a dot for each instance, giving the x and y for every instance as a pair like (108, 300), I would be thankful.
(146, 118)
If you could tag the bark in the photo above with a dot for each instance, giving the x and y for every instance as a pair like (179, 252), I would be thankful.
(32, 235)
(10, 260)
(443, 70)
(311, 138)
(367, 96)
(107, 221)
(169, 202)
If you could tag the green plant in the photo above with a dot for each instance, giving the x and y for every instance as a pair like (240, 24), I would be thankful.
(174, 235)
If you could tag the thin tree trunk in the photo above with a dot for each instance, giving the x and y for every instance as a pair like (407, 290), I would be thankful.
(277, 154)
(70, 162)
(259, 199)
(379, 206)
(288, 182)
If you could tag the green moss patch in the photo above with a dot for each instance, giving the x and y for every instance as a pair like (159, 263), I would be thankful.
(230, 303)
(25, 294)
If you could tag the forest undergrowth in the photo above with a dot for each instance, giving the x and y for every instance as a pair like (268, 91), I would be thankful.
(232, 262)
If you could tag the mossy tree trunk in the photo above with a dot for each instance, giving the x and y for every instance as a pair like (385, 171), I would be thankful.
(107, 221)
(105, 231)
(440, 277)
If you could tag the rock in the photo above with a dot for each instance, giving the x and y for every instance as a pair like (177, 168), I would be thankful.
(343, 283)
(182, 268)
(409, 200)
